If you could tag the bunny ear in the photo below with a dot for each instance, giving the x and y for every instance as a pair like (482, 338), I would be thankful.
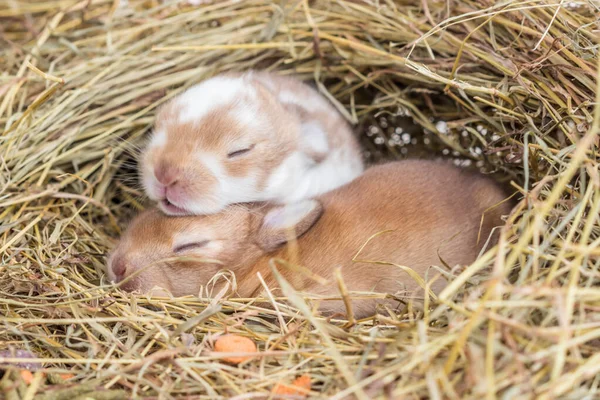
(313, 137)
(286, 222)
(314, 140)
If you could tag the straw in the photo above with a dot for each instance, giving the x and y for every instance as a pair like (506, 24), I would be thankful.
(509, 87)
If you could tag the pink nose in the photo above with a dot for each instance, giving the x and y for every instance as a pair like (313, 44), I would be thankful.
(119, 268)
(165, 174)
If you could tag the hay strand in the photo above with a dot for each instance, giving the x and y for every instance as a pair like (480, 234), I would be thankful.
(509, 87)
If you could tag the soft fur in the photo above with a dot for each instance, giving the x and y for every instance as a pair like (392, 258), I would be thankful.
(433, 211)
(247, 137)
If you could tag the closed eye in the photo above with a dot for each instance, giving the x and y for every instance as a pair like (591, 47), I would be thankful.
(190, 246)
(239, 152)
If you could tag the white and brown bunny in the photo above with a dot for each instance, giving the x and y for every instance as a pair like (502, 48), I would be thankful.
(246, 137)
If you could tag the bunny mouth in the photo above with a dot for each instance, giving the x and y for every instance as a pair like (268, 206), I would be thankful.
(171, 208)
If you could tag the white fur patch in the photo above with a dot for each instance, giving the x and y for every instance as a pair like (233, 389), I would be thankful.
(314, 137)
(148, 182)
(230, 189)
(199, 100)
(239, 190)
(289, 215)
(247, 116)
(212, 164)
(148, 179)
(298, 178)
(286, 176)
(159, 139)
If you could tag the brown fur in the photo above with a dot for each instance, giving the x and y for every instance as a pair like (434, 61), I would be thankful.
(432, 209)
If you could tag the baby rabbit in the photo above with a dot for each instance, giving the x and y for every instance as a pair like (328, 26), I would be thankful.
(246, 137)
(432, 209)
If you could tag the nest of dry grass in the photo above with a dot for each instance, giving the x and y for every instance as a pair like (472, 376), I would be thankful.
(507, 86)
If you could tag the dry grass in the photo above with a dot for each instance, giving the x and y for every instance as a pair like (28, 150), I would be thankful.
(514, 81)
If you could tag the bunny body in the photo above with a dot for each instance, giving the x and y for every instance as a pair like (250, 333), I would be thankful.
(406, 214)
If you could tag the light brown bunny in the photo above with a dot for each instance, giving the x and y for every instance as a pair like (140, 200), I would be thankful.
(246, 137)
(432, 211)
